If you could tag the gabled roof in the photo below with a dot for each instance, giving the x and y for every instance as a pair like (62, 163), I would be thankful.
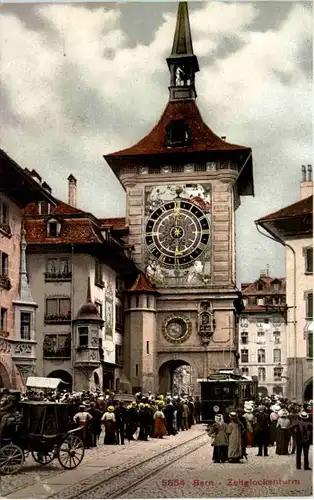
(73, 231)
(202, 137)
(302, 207)
(251, 289)
(142, 285)
(117, 223)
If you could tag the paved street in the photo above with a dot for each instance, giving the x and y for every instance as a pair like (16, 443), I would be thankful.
(177, 466)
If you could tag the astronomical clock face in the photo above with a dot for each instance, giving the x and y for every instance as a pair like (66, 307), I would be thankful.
(177, 329)
(177, 233)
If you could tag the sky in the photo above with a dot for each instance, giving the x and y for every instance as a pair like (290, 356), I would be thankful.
(78, 81)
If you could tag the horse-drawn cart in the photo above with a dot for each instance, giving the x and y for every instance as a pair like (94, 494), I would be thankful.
(43, 429)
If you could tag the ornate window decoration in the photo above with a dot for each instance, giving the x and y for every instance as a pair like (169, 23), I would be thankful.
(245, 371)
(206, 321)
(177, 329)
(278, 373)
(244, 321)
(244, 338)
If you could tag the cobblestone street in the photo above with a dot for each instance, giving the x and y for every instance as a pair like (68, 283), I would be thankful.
(175, 467)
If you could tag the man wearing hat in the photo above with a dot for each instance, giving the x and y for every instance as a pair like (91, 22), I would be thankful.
(303, 432)
(262, 431)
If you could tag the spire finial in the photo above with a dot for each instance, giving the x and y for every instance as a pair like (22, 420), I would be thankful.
(24, 290)
(182, 62)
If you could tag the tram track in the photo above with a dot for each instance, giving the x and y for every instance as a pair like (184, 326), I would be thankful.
(115, 485)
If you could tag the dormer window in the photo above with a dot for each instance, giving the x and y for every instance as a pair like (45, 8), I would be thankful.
(177, 133)
(44, 208)
(260, 286)
(276, 286)
(53, 228)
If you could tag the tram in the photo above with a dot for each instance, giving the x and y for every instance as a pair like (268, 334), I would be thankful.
(224, 390)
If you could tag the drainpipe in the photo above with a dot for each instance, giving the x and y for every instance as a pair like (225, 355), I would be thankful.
(286, 245)
(73, 343)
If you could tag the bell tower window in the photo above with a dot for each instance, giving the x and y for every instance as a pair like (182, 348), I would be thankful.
(177, 133)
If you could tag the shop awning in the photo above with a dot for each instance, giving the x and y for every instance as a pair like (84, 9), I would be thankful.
(44, 382)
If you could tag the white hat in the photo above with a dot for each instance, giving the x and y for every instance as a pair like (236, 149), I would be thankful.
(283, 413)
(303, 415)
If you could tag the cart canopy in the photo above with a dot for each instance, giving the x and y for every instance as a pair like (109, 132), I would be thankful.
(44, 382)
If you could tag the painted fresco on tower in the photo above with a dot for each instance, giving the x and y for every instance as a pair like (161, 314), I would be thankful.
(178, 234)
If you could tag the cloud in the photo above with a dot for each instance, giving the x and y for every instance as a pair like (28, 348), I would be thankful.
(79, 88)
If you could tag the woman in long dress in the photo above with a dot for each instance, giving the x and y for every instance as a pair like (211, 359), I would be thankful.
(109, 420)
(274, 416)
(159, 423)
(283, 433)
(82, 418)
(234, 431)
(220, 440)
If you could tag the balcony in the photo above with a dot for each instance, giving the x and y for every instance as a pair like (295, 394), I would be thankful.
(57, 346)
(23, 351)
(5, 282)
(87, 356)
(5, 229)
(58, 276)
(57, 319)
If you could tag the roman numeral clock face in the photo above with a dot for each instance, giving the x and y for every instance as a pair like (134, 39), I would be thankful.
(177, 233)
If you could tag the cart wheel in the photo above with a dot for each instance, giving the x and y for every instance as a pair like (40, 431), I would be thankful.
(71, 452)
(11, 459)
(43, 458)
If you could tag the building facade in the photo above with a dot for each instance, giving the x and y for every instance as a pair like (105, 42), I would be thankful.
(183, 184)
(292, 226)
(76, 260)
(17, 306)
(263, 334)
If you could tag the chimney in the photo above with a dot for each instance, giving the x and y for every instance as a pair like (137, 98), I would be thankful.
(36, 176)
(306, 186)
(46, 187)
(72, 190)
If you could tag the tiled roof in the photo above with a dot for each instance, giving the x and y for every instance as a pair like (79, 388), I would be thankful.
(115, 222)
(202, 137)
(73, 231)
(302, 207)
(252, 288)
(142, 284)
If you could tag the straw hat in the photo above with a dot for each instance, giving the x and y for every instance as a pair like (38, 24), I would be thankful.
(303, 415)
(232, 414)
(283, 413)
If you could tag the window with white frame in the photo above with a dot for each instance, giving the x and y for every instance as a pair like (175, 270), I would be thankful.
(245, 371)
(58, 265)
(244, 321)
(261, 356)
(244, 356)
(277, 337)
(25, 325)
(277, 356)
(260, 301)
(244, 338)
(276, 320)
(262, 374)
(53, 228)
(44, 208)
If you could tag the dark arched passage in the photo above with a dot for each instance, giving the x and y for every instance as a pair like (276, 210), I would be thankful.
(308, 391)
(66, 378)
(175, 377)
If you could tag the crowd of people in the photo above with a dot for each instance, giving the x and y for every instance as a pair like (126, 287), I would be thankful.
(143, 418)
(271, 422)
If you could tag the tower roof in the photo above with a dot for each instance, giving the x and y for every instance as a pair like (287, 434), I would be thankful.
(182, 42)
(142, 285)
(89, 309)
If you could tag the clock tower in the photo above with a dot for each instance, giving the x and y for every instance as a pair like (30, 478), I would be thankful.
(183, 185)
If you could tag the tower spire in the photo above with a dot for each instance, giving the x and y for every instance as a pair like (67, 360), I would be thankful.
(182, 62)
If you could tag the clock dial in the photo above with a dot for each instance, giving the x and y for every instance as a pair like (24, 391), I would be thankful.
(177, 233)
(177, 329)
